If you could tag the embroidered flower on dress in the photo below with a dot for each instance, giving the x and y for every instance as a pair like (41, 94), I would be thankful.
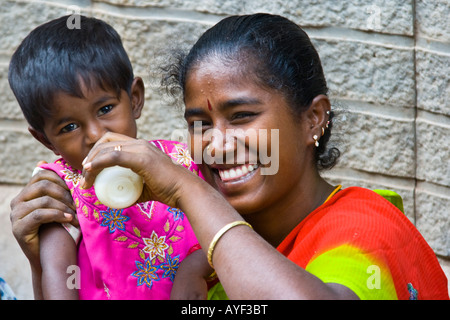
(155, 246)
(177, 213)
(146, 273)
(413, 294)
(71, 176)
(170, 267)
(113, 219)
(182, 156)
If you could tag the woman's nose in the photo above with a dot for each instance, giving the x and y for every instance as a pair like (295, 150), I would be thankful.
(222, 146)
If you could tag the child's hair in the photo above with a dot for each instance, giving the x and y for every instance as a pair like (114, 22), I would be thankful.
(54, 58)
(272, 49)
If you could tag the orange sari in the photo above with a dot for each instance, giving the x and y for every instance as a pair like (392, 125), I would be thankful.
(362, 241)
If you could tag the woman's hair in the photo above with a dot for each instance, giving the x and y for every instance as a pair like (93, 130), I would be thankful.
(54, 58)
(273, 50)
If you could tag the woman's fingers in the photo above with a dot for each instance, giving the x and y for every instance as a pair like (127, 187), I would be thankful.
(47, 183)
(109, 140)
(45, 199)
(160, 174)
(107, 154)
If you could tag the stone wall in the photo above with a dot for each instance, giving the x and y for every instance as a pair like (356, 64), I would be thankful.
(387, 63)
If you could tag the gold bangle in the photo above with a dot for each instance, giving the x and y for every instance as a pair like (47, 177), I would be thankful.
(219, 234)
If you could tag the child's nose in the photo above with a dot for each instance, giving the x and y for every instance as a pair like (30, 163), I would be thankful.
(93, 133)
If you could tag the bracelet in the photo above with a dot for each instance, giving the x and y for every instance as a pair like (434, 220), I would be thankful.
(219, 234)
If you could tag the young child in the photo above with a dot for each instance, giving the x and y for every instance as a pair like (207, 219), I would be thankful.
(73, 86)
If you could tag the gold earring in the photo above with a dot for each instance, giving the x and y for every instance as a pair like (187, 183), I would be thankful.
(323, 131)
(316, 139)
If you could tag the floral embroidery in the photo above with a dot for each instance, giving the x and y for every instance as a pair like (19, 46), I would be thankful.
(69, 175)
(146, 273)
(170, 267)
(113, 219)
(413, 294)
(177, 213)
(146, 208)
(182, 156)
(155, 246)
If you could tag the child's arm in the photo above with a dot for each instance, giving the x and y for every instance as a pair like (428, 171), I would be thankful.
(190, 279)
(58, 251)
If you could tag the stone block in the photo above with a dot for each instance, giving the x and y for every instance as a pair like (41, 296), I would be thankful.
(433, 81)
(432, 218)
(432, 19)
(374, 143)
(19, 18)
(20, 153)
(433, 150)
(381, 16)
(367, 72)
(9, 108)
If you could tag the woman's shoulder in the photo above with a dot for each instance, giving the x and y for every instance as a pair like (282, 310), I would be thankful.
(352, 214)
(362, 221)
(356, 206)
(362, 200)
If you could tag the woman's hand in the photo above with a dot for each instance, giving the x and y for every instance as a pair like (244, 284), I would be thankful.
(162, 178)
(46, 198)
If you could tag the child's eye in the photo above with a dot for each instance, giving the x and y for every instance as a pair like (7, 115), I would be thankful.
(105, 109)
(70, 127)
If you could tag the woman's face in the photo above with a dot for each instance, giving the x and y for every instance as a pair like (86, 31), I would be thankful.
(247, 141)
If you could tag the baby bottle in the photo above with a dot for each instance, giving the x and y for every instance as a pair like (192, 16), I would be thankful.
(118, 187)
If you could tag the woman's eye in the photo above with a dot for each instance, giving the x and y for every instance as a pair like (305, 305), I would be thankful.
(70, 127)
(198, 124)
(105, 109)
(242, 115)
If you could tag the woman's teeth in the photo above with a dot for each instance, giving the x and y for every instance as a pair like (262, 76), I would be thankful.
(237, 172)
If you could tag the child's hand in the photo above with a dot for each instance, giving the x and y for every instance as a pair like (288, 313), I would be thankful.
(190, 279)
(189, 288)
(44, 199)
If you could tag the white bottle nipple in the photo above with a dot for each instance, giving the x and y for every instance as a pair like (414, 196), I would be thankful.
(118, 187)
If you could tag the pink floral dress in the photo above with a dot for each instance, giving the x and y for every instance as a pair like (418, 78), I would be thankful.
(130, 253)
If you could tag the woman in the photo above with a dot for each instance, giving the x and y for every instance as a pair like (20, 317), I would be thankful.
(271, 234)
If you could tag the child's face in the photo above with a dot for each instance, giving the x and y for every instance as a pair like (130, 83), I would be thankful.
(78, 123)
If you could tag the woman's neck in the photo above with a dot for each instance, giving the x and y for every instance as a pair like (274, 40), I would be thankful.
(276, 222)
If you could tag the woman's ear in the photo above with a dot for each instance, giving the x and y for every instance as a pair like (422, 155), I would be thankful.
(318, 114)
(39, 136)
(137, 96)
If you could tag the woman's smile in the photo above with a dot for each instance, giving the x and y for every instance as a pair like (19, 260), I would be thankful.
(237, 173)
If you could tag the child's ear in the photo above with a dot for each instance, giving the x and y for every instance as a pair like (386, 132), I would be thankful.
(137, 96)
(39, 136)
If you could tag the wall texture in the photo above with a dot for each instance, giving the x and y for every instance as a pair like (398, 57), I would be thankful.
(387, 63)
